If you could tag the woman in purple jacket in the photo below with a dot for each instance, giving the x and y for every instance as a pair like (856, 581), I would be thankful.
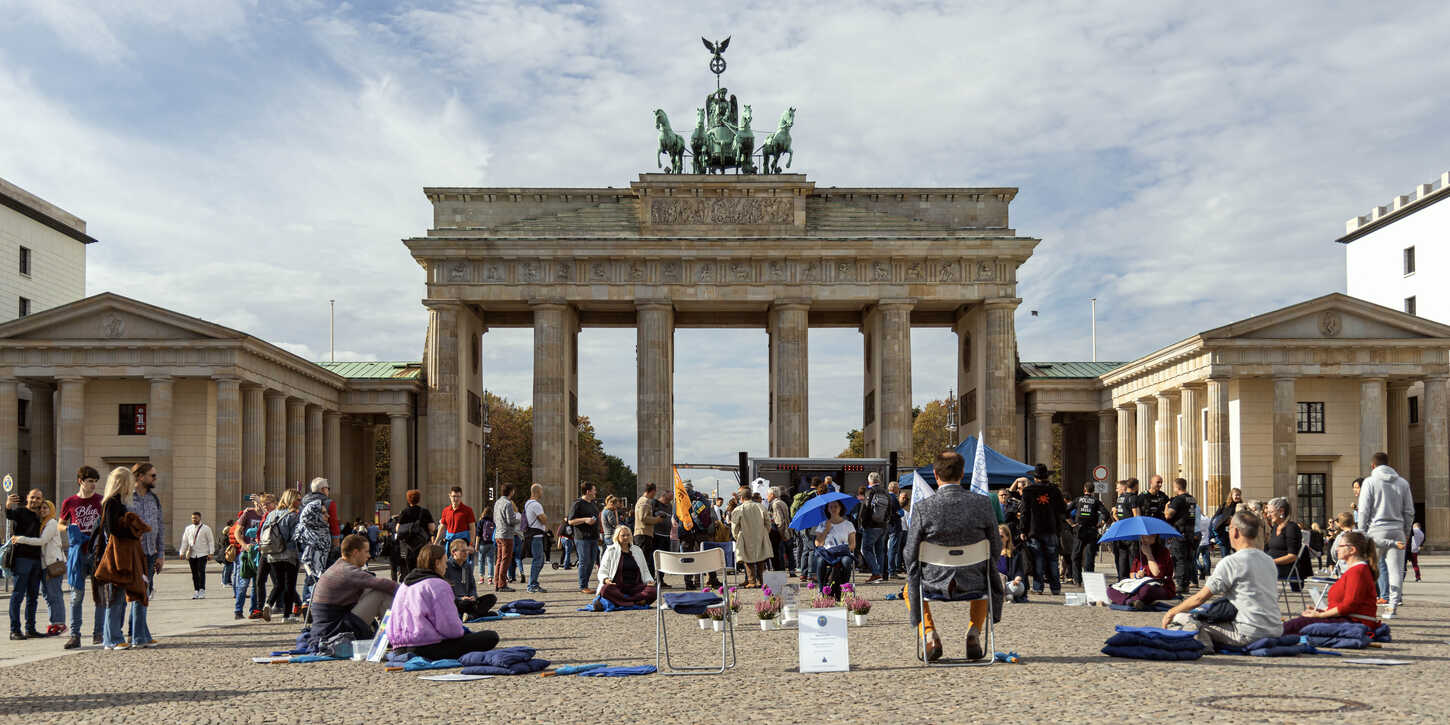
(425, 621)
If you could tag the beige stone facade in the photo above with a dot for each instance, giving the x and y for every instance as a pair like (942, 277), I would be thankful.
(670, 251)
(225, 413)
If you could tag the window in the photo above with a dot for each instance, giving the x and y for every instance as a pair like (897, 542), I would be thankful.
(25, 261)
(24, 413)
(1410, 305)
(868, 414)
(132, 420)
(24, 308)
(1311, 497)
(969, 406)
(475, 409)
(1414, 409)
(1409, 260)
(1311, 418)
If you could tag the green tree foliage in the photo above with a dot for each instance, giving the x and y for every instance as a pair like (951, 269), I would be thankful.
(619, 480)
(929, 434)
(855, 445)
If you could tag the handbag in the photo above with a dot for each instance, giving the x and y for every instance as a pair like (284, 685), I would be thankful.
(7, 558)
(55, 569)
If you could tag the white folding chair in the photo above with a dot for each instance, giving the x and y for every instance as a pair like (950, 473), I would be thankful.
(1287, 583)
(978, 554)
(693, 563)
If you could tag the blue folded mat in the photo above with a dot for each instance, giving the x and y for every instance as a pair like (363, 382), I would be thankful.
(304, 659)
(691, 602)
(501, 657)
(600, 604)
(1151, 653)
(1154, 607)
(1153, 643)
(418, 663)
(576, 669)
(493, 617)
(619, 671)
(523, 606)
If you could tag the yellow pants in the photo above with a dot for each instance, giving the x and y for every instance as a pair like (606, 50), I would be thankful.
(978, 614)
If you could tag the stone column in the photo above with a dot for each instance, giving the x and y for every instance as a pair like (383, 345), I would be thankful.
(314, 445)
(1146, 452)
(10, 433)
(366, 465)
(1001, 375)
(42, 444)
(1437, 462)
(1108, 441)
(1165, 446)
(893, 376)
(332, 447)
(1127, 442)
(228, 448)
(72, 444)
(1218, 465)
(254, 438)
(1397, 424)
(1190, 456)
(275, 471)
(1373, 419)
(296, 443)
(453, 372)
(655, 388)
(1285, 437)
(789, 330)
(556, 437)
(159, 448)
(397, 459)
(1041, 438)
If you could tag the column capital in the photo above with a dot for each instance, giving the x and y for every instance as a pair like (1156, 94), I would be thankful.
(1193, 385)
(252, 385)
(70, 379)
(547, 302)
(787, 303)
(435, 304)
(1043, 413)
(227, 378)
(1109, 413)
(7, 380)
(36, 384)
(1399, 384)
(654, 303)
(332, 414)
(394, 416)
(313, 406)
(1374, 379)
(160, 378)
(1010, 303)
(273, 394)
(1279, 376)
(1162, 395)
(908, 302)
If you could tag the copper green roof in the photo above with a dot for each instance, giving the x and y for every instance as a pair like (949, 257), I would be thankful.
(375, 370)
(1067, 369)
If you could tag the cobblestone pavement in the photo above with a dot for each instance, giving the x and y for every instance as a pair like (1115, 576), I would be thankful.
(203, 674)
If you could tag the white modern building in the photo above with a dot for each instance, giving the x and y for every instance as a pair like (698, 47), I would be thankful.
(1397, 255)
(42, 254)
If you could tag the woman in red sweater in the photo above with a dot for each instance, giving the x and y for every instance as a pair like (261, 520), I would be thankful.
(1352, 596)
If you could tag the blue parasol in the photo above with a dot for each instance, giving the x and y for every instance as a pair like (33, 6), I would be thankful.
(813, 512)
(1131, 529)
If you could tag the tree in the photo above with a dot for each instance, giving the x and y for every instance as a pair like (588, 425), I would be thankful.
(929, 434)
(855, 445)
(592, 467)
(619, 480)
(510, 455)
(382, 454)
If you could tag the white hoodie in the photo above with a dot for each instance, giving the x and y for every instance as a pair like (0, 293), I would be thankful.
(1386, 506)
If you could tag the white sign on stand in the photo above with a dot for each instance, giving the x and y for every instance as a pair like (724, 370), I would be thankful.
(822, 638)
(779, 584)
(1095, 585)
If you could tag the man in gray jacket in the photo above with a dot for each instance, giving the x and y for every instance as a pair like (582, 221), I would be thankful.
(1387, 513)
(505, 528)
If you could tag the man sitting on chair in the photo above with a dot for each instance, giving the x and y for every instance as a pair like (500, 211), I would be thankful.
(953, 516)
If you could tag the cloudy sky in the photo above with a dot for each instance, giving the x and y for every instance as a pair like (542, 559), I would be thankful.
(245, 162)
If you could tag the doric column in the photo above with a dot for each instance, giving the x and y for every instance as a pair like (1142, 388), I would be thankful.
(1190, 457)
(72, 444)
(1108, 441)
(254, 438)
(453, 369)
(789, 331)
(655, 391)
(296, 442)
(332, 448)
(1041, 438)
(159, 448)
(10, 432)
(1146, 452)
(1127, 442)
(1165, 446)
(397, 459)
(1373, 419)
(1397, 424)
(1437, 462)
(556, 437)
(1285, 436)
(276, 466)
(887, 329)
(42, 443)
(365, 465)
(1001, 375)
(314, 445)
(1218, 463)
(228, 448)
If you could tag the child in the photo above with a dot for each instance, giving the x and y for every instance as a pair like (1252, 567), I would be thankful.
(1010, 565)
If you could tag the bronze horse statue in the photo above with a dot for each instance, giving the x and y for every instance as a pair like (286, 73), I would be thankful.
(670, 143)
(778, 144)
(697, 143)
(745, 143)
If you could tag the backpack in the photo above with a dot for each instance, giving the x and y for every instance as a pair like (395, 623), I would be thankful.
(878, 512)
(412, 533)
(485, 530)
(799, 500)
(701, 518)
(272, 540)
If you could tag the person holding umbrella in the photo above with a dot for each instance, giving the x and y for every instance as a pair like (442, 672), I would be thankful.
(1150, 576)
(828, 511)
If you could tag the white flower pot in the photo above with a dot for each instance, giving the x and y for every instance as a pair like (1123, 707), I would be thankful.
(768, 624)
(860, 619)
(717, 624)
(787, 614)
(704, 622)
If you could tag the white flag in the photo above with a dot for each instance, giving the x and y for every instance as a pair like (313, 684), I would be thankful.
(979, 469)
(920, 491)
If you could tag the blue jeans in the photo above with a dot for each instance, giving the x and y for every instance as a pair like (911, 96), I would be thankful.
(1044, 556)
(518, 562)
(895, 547)
(77, 603)
(53, 599)
(28, 574)
(115, 610)
(588, 555)
(487, 556)
(140, 633)
(240, 588)
(873, 548)
(1205, 564)
(132, 620)
(227, 570)
(568, 548)
(536, 560)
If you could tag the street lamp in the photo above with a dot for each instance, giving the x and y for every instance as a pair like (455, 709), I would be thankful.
(951, 410)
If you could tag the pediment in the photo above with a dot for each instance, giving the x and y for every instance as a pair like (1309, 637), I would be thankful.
(1333, 317)
(109, 317)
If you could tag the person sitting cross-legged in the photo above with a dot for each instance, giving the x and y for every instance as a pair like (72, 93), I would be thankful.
(1151, 573)
(458, 572)
(624, 577)
(1352, 596)
(1249, 580)
(425, 620)
(347, 597)
(953, 516)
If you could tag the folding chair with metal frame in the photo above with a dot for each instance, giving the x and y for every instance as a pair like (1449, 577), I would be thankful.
(1287, 583)
(978, 554)
(692, 563)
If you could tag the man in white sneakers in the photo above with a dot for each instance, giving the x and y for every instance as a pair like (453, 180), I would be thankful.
(197, 545)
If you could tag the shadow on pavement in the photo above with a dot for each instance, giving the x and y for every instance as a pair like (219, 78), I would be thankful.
(99, 700)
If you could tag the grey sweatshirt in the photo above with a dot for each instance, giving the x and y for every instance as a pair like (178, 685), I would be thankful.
(1386, 506)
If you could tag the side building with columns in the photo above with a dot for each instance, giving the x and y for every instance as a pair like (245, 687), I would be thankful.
(113, 381)
(1289, 403)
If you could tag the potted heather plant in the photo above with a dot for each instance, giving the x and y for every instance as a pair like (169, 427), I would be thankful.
(704, 619)
(732, 606)
(768, 612)
(858, 606)
(717, 617)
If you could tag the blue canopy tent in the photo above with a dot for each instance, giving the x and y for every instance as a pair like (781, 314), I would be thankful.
(1001, 470)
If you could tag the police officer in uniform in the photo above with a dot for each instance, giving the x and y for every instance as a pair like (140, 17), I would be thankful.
(1155, 500)
(1125, 508)
(1089, 513)
(1182, 513)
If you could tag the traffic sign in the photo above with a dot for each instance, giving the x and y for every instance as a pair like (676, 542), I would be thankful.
(1100, 473)
(9, 484)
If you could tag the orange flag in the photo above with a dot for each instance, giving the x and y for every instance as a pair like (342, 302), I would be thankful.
(682, 502)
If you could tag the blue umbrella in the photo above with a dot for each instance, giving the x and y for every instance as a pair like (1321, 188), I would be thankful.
(1131, 529)
(813, 512)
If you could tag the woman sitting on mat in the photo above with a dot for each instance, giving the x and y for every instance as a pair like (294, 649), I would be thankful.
(425, 621)
(1352, 596)
(1150, 578)
(624, 577)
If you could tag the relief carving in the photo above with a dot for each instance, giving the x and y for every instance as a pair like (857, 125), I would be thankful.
(812, 272)
(705, 272)
(913, 272)
(458, 271)
(776, 271)
(529, 271)
(112, 325)
(880, 272)
(598, 272)
(493, 273)
(986, 271)
(737, 210)
(1330, 324)
(948, 272)
(739, 272)
(636, 272)
(843, 271)
(672, 271)
(564, 272)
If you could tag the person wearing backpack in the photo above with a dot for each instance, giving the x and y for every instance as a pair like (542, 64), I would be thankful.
(415, 528)
(1182, 514)
(875, 518)
(278, 544)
